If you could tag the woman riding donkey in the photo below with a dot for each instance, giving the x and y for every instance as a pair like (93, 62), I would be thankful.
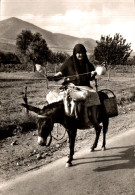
(78, 71)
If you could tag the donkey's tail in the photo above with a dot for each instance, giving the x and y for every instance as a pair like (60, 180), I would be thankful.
(32, 108)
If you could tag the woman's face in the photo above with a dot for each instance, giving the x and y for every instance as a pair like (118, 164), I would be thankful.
(79, 56)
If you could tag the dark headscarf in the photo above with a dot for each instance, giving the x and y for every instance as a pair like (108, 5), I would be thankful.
(79, 48)
(79, 68)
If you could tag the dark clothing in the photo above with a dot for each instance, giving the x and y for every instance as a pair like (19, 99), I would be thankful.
(76, 71)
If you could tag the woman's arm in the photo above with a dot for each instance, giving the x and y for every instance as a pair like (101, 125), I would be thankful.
(58, 76)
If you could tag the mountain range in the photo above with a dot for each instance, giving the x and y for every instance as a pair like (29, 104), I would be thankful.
(11, 27)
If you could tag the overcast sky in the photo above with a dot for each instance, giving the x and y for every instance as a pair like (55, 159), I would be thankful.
(80, 18)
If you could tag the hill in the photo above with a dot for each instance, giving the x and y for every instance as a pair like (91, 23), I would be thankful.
(10, 28)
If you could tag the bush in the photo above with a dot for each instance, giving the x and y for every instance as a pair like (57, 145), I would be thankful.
(15, 67)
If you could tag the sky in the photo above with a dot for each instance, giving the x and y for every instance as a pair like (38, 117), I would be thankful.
(79, 18)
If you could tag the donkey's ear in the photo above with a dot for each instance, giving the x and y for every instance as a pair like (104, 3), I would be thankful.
(32, 108)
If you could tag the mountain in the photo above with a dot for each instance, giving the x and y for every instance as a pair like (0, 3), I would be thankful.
(10, 28)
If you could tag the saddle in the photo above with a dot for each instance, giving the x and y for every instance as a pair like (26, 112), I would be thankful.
(72, 97)
(76, 95)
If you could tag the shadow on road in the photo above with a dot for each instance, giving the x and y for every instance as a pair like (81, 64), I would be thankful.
(127, 155)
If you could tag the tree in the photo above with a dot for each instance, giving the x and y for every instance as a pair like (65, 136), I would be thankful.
(2, 57)
(8, 58)
(11, 58)
(131, 61)
(33, 47)
(112, 51)
(57, 58)
(23, 40)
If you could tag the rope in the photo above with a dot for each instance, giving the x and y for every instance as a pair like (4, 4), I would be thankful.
(75, 75)
(59, 138)
(17, 79)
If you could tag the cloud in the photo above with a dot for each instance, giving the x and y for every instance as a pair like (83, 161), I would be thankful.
(35, 19)
(80, 18)
(95, 23)
(73, 19)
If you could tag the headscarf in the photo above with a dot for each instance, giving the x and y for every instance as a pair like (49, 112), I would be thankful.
(79, 48)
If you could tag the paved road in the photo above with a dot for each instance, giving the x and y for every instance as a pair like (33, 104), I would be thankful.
(110, 172)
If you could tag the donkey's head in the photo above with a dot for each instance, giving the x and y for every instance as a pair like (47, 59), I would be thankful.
(45, 126)
(45, 122)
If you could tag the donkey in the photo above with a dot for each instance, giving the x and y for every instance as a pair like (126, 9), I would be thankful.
(54, 113)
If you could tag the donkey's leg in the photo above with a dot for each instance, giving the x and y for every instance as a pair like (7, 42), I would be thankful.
(72, 136)
(105, 128)
(94, 119)
(98, 131)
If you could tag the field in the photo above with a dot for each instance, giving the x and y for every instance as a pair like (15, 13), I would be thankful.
(18, 135)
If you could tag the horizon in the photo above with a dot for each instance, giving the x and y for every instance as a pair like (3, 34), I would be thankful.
(133, 51)
(77, 18)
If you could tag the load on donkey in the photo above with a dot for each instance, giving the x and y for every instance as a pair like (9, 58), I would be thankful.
(77, 105)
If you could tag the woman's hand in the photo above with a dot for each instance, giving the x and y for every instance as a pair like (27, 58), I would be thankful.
(58, 76)
(93, 73)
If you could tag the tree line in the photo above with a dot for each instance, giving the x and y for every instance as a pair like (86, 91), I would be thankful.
(9, 58)
(33, 49)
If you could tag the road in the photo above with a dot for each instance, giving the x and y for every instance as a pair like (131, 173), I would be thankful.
(110, 172)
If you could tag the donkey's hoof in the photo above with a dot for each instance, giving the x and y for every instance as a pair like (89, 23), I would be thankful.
(68, 165)
(91, 150)
(103, 148)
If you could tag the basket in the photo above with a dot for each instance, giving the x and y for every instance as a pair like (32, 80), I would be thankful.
(110, 104)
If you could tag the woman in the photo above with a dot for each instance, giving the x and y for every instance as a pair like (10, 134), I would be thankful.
(79, 71)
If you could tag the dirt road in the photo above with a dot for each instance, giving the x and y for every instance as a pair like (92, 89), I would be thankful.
(107, 172)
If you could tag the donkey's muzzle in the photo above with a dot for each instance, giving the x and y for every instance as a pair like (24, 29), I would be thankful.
(41, 141)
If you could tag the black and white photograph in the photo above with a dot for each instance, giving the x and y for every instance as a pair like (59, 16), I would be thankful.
(67, 97)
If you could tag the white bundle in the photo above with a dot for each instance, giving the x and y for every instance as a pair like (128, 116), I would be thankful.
(54, 96)
(40, 68)
(100, 70)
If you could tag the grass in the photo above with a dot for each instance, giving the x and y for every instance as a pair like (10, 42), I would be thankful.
(12, 87)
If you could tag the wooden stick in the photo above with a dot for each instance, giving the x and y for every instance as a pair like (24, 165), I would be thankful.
(26, 99)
